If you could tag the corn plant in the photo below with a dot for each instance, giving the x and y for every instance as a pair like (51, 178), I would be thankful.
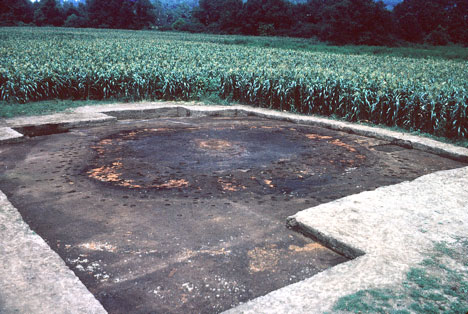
(429, 95)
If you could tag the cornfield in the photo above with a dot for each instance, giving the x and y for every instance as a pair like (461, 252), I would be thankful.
(418, 94)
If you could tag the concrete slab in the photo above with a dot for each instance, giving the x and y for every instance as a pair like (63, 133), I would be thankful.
(57, 123)
(8, 135)
(393, 226)
(33, 278)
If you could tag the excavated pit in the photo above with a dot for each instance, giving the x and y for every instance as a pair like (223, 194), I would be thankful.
(188, 214)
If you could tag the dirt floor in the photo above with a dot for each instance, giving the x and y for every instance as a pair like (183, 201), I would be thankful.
(188, 214)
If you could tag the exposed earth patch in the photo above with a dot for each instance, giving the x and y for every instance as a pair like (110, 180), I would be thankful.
(185, 214)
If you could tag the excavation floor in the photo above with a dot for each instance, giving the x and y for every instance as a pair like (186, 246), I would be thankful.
(188, 214)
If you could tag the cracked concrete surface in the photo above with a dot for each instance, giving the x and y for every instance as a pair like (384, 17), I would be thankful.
(393, 226)
(33, 278)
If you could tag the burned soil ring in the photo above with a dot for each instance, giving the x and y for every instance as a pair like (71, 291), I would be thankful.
(188, 214)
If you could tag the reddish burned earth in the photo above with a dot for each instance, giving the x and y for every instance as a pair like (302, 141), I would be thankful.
(188, 214)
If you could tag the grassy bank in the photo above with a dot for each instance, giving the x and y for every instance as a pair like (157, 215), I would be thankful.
(438, 285)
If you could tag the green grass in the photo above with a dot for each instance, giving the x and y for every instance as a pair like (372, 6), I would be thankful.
(438, 285)
(9, 110)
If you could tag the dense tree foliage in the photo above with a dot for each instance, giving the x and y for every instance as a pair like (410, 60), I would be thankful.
(120, 14)
(48, 13)
(219, 15)
(13, 12)
(346, 21)
(437, 22)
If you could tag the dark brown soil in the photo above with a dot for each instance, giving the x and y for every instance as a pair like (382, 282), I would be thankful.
(188, 214)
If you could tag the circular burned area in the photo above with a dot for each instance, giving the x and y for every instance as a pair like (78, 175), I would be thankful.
(230, 158)
(187, 215)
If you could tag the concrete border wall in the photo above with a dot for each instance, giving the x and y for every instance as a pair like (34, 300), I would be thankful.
(371, 227)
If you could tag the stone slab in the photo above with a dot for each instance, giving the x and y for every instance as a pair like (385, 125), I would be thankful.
(394, 226)
(8, 135)
(65, 120)
(33, 278)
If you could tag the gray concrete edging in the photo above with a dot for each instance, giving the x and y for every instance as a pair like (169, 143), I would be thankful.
(180, 109)
(396, 226)
(105, 114)
(33, 278)
(360, 217)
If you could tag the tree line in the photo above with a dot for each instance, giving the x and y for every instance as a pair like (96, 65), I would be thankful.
(361, 22)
